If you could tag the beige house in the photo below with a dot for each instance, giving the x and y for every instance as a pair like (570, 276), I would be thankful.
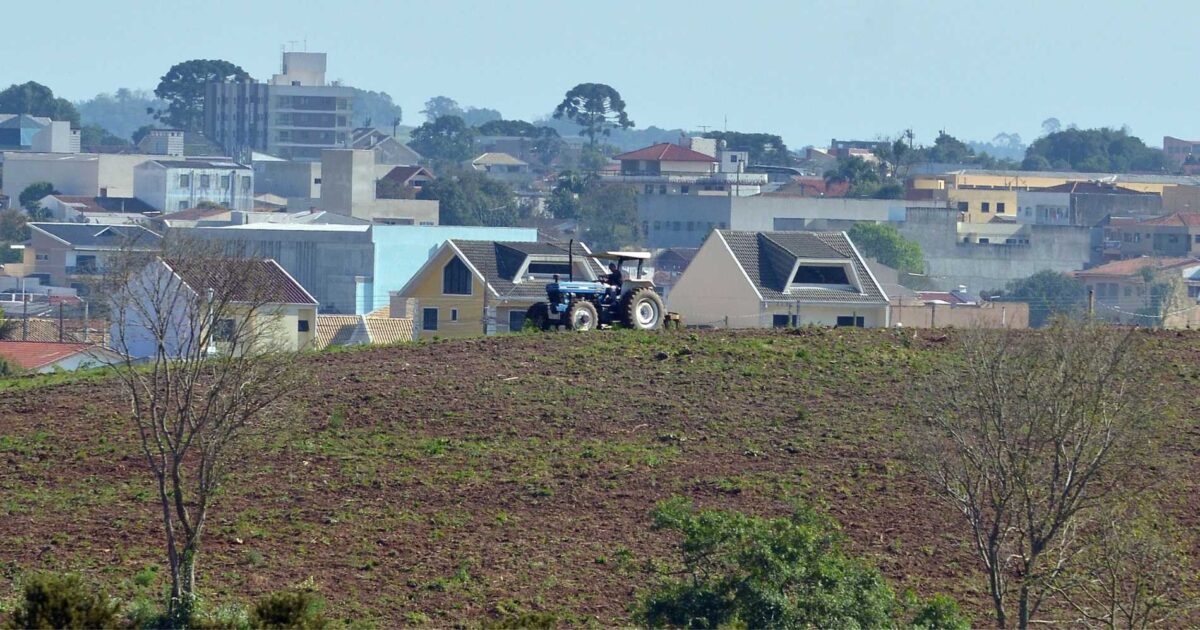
(170, 295)
(1160, 292)
(75, 254)
(775, 279)
(470, 288)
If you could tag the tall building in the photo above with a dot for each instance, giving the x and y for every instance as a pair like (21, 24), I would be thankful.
(295, 116)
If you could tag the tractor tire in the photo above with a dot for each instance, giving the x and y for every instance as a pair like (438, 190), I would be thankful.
(644, 310)
(539, 316)
(582, 316)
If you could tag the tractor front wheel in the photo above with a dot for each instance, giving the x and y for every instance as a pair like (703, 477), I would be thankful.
(539, 316)
(582, 316)
(644, 310)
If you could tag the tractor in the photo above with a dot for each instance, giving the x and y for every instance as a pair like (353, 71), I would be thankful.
(586, 305)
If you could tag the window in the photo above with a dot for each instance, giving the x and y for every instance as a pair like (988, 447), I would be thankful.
(649, 189)
(675, 226)
(733, 159)
(224, 182)
(183, 205)
(985, 207)
(662, 190)
(456, 278)
(779, 321)
(684, 189)
(984, 241)
(963, 206)
(429, 319)
(1196, 239)
(516, 321)
(999, 207)
(223, 330)
(185, 181)
(658, 226)
(302, 325)
(453, 314)
(41, 256)
(317, 181)
(204, 181)
(846, 320)
(691, 226)
(1174, 239)
(248, 183)
(820, 274)
(548, 268)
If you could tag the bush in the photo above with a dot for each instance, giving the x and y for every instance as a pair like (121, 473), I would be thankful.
(940, 613)
(289, 609)
(63, 602)
(743, 570)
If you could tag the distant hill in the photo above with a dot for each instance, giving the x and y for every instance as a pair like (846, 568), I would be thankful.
(122, 112)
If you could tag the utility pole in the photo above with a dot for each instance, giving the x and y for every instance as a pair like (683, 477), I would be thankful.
(86, 325)
(1091, 303)
(60, 322)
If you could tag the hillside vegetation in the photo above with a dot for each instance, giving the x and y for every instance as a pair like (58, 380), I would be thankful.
(454, 482)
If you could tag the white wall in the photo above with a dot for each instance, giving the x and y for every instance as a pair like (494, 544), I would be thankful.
(713, 287)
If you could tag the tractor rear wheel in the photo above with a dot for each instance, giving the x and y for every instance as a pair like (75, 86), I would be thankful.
(582, 316)
(539, 316)
(644, 310)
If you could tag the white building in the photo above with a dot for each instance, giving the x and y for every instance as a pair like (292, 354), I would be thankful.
(171, 185)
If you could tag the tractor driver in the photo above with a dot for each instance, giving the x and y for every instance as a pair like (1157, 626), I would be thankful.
(614, 275)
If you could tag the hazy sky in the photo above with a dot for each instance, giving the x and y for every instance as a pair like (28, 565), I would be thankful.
(806, 70)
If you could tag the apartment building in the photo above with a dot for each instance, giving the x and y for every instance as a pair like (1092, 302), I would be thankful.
(294, 116)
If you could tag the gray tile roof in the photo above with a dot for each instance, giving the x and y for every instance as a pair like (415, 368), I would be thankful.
(500, 261)
(94, 235)
(768, 258)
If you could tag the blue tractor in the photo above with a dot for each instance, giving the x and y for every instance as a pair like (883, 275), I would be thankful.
(622, 298)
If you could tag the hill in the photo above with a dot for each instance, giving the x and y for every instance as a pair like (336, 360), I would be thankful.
(448, 482)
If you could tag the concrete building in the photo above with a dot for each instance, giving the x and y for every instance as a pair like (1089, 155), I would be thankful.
(1172, 235)
(288, 179)
(1178, 150)
(348, 178)
(671, 169)
(776, 279)
(171, 185)
(76, 174)
(351, 269)
(295, 116)
(22, 132)
(169, 142)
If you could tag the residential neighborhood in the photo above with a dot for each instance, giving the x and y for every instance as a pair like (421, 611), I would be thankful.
(555, 315)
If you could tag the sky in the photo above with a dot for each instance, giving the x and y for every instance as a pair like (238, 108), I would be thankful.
(808, 71)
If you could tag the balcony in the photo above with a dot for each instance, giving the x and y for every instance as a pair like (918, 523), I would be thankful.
(85, 270)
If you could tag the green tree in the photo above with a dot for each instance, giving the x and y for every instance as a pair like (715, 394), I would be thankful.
(301, 610)
(564, 200)
(183, 86)
(884, 243)
(748, 571)
(864, 179)
(36, 99)
(764, 148)
(1091, 150)
(391, 189)
(608, 215)
(949, 150)
(596, 107)
(7, 328)
(122, 112)
(440, 106)
(94, 137)
(1048, 293)
(517, 128)
(13, 229)
(33, 194)
(376, 107)
(468, 197)
(63, 602)
(446, 139)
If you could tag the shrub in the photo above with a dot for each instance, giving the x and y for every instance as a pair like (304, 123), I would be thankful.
(63, 602)
(940, 613)
(289, 609)
(743, 570)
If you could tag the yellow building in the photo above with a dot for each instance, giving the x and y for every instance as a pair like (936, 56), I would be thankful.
(470, 288)
(981, 205)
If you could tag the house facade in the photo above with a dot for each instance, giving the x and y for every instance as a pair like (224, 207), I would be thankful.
(1172, 235)
(471, 288)
(774, 279)
(76, 254)
(672, 169)
(1147, 291)
(261, 297)
(172, 185)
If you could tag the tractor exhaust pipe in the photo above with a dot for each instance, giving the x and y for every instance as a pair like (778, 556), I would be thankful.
(571, 259)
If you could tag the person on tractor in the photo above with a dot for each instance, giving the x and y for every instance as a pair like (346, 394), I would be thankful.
(615, 277)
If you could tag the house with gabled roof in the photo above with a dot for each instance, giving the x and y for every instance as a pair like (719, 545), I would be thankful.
(672, 169)
(775, 279)
(71, 254)
(177, 294)
(1146, 291)
(376, 327)
(470, 288)
(42, 356)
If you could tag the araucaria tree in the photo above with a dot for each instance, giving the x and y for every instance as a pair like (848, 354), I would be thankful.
(1034, 433)
(183, 86)
(204, 369)
(596, 107)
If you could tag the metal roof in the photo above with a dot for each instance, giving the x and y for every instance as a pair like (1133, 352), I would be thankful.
(769, 257)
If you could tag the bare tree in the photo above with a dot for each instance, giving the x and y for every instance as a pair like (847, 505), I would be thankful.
(1133, 572)
(1033, 430)
(203, 369)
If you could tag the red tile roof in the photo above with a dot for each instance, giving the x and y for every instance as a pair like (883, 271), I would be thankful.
(402, 174)
(1134, 265)
(244, 280)
(33, 355)
(1182, 219)
(666, 152)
